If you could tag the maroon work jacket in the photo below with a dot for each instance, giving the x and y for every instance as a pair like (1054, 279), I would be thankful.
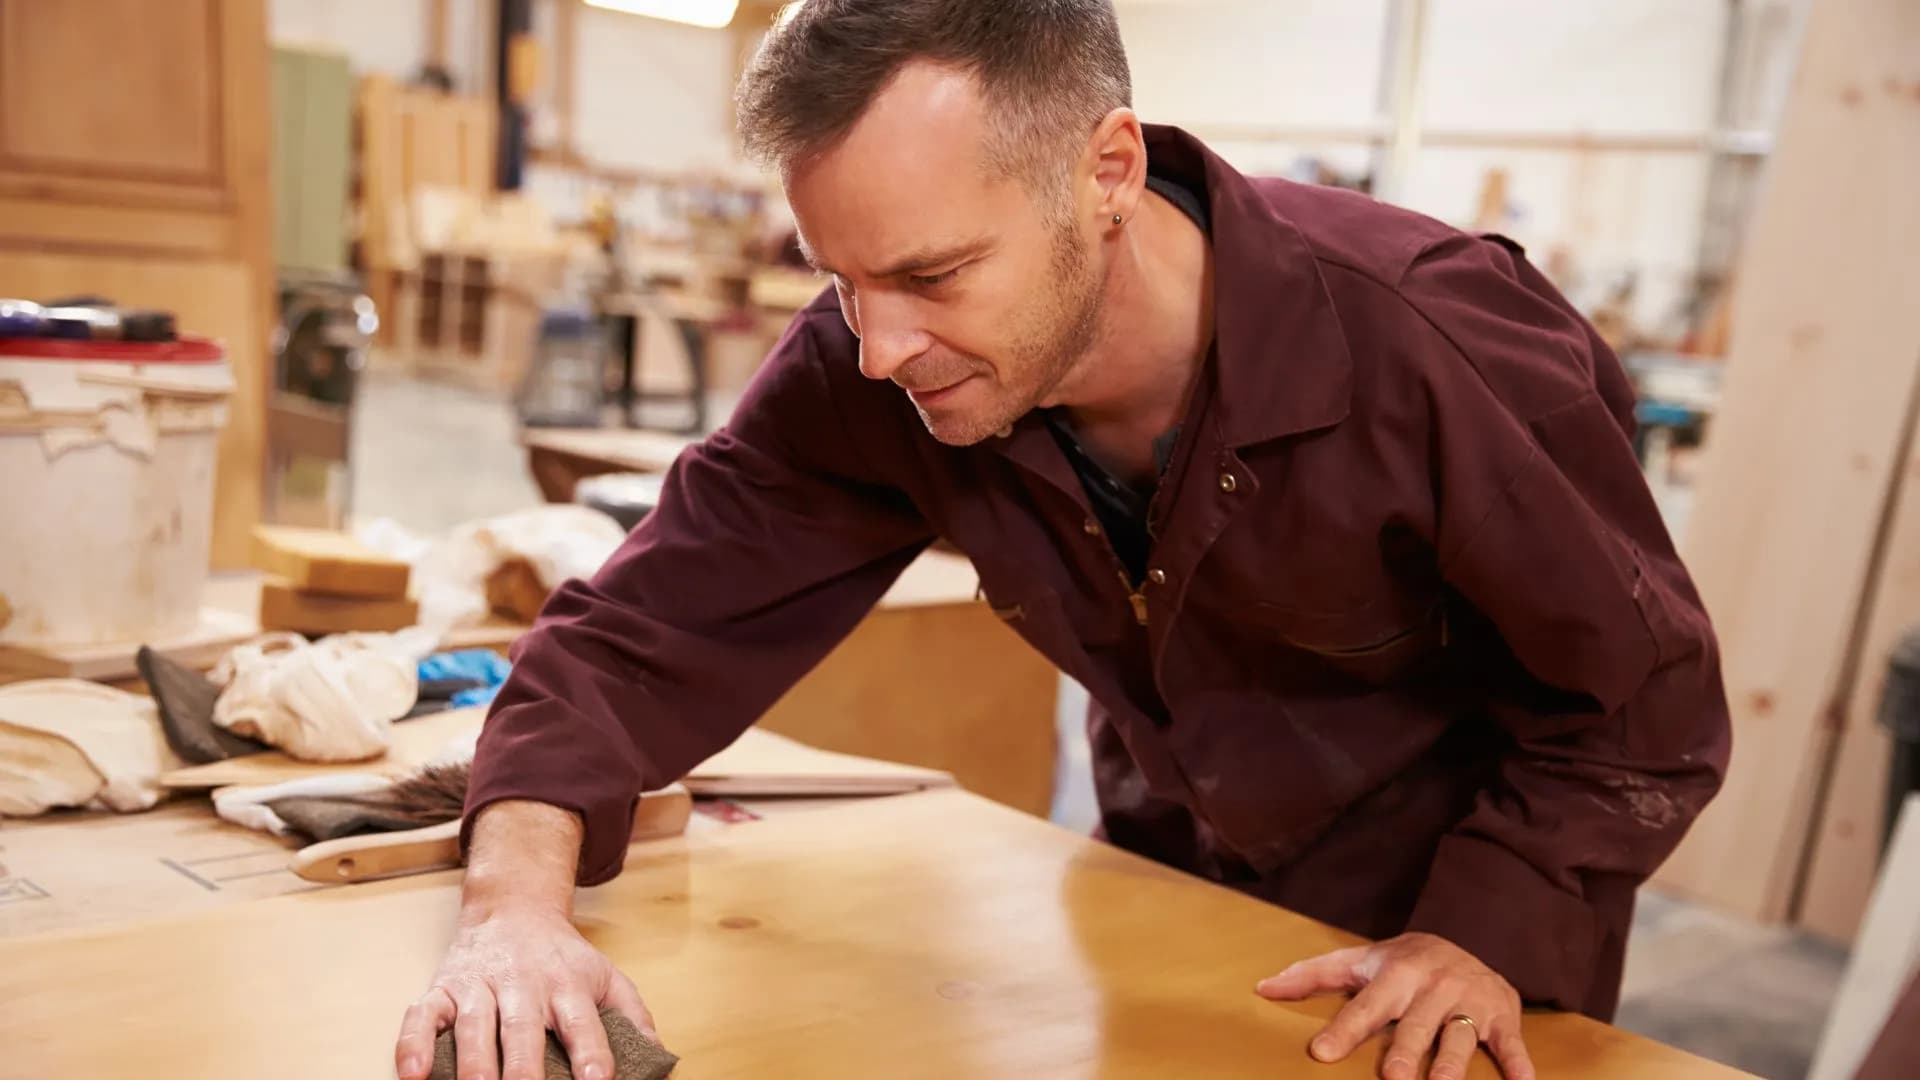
(1414, 652)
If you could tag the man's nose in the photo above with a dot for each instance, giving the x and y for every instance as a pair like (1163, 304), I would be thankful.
(890, 336)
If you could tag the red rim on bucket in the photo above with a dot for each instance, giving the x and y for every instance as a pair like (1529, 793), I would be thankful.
(187, 350)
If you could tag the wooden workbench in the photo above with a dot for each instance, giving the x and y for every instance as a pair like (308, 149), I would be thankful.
(933, 935)
(559, 458)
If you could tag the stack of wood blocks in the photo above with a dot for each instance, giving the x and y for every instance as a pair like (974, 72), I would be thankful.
(320, 582)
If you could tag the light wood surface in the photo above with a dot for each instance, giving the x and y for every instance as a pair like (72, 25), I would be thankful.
(219, 631)
(1887, 957)
(150, 187)
(412, 138)
(326, 561)
(284, 607)
(84, 869)
(1845, 850)
(559, 458)
(932, 935)
(1808, 440)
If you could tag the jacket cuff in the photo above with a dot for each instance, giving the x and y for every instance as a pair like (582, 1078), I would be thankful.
(1494, 904)
(525, 755)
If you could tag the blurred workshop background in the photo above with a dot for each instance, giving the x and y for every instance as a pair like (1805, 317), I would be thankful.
(468, 259)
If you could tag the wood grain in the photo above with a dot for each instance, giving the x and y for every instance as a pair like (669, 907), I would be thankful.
(157, 117)
(931, 935)
(1845, 850)
(1808, 439)
(283, 607)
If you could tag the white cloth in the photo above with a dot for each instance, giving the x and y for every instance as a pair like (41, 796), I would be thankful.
(332, 700)
(559, 541)
(68, 742)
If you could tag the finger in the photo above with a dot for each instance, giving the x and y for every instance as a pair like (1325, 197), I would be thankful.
(1419, 1026)
(1358, 1021)
(624, 998)
(1340, 972)
(1458, 1041)
(425, 1019)
(577, 1023)
(523, 1036)
(476, 1034)
(1510, 1050)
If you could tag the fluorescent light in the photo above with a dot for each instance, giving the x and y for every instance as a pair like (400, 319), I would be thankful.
(713, 14)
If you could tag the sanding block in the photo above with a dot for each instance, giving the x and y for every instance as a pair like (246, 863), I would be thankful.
(316, 614)
(634, 1057)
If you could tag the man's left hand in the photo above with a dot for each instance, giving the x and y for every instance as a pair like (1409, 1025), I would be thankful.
(1426, 983)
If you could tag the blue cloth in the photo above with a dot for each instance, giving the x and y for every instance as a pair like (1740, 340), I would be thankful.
(482, 664)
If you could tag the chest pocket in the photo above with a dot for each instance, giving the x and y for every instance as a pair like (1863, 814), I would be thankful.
(1380, 644)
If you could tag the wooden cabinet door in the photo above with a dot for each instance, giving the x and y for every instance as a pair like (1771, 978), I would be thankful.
(134, 162)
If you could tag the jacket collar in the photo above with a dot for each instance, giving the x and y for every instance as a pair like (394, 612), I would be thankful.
(1280, 356)
(1283, 363)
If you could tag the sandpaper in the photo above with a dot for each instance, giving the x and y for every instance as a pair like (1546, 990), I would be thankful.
(185, 699)
(634, 1058)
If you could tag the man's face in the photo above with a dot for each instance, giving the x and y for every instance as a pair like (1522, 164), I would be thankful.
(964, 289)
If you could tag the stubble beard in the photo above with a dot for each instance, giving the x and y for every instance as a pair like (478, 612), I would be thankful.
(1062, 331)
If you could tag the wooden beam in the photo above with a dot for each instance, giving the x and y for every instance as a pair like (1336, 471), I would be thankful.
(1845, 851)
(566, 31)
(1808, 443)
(437, 34)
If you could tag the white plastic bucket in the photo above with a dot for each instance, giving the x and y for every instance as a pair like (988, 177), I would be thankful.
(107, 454)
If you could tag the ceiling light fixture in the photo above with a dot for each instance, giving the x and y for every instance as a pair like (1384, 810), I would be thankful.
(712, 14)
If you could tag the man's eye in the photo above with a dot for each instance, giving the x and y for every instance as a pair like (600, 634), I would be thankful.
(928, 281)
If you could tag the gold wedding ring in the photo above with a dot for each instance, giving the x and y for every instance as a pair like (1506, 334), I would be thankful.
(1463, 1018)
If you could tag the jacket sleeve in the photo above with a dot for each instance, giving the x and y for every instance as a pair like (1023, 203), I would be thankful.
(1607, 672)
(770, 542)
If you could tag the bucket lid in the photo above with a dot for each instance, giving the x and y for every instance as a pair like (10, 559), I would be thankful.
(187, 350)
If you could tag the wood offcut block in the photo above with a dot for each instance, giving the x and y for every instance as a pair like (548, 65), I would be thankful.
(322, 561)
(284, 607)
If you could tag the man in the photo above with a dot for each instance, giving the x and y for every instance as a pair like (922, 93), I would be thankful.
(1331, 508)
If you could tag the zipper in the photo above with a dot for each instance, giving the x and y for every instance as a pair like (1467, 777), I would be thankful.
(1136, 598)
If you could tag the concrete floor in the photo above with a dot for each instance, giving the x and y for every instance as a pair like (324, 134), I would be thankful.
(431, 456)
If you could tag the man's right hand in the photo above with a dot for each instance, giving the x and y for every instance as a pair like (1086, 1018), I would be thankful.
(519, 973)
(517, 967)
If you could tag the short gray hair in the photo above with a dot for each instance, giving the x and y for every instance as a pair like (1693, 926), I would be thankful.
(1050, 70)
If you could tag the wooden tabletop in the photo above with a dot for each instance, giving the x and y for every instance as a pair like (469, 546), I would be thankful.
(932, 935)
(630, 449)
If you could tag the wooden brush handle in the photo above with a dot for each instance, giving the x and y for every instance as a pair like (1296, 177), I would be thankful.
(660, 814)
(378, 855)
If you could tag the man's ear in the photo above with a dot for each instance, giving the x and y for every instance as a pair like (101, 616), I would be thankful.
(1117, 155)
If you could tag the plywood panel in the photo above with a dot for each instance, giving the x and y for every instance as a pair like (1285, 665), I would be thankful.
(924, 936)
(1809, 438)
(112, 87)
(1845, 853)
